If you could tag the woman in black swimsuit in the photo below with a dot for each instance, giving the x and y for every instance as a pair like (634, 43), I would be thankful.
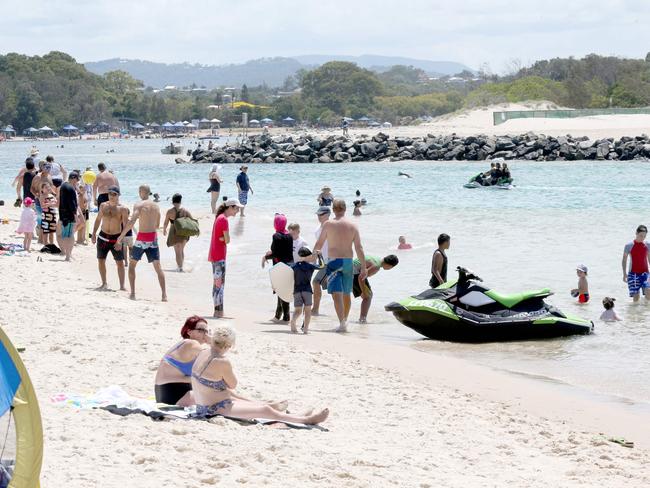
(215, 187)
(439, 262)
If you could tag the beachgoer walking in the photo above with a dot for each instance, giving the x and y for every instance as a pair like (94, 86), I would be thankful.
(636, 276)
(27, 223)
(82, 199)
(361, 288)
(325, 197)
(298, 242)
(439, 262)
(57, 171)
(302, 290)
(281, 252)
(319, 282)
(146, 241)
(215, 186)
(48, 204)
(103, 181)
(341, 236)
(217, 255)
(243, 187)
(173, 239)
(214, 382)
(112, 218)
(23, 182)
(68, 214)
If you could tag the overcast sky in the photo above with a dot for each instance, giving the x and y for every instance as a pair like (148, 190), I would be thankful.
(217, 32)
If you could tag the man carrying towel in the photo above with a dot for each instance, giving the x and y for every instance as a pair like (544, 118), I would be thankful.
(112, 217)
(146, 241)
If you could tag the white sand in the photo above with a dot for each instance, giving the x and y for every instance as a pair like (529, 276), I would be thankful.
(400, 417)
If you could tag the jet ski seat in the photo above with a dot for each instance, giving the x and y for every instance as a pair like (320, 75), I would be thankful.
(512, 299)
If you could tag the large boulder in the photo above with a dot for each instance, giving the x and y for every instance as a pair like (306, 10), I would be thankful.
(368, 149)
(303, 150)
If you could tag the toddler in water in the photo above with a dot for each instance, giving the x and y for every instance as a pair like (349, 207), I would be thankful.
(27, 223)
(403, 244)
(582, 292)
(609, 315)
(302, 290)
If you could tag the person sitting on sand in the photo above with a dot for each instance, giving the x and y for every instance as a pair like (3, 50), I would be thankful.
(403, 244)
(582, 292)
(361, 287)
(325, 198)
(609, 315)
(214, 382)
(173, 384)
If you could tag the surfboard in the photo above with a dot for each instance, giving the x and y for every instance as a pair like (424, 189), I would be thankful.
(282, 281)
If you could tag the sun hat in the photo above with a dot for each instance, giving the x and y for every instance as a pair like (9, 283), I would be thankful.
(582, 267)
(323, 210)
(326, 188)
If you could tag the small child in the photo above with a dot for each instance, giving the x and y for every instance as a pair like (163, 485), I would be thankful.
(609, 315)
(27, 223)
(582, 292)
(357, 208)
(403, 244)
(302, 291)
(298, 242)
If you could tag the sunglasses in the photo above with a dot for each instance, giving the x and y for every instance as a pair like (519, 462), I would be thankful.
(202, 331)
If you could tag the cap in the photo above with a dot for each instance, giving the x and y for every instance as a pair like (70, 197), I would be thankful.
(582, 267)
(74, 174)
(114, 189)
(28, 201)
(233, 202)
(323, 210)
(326, 188)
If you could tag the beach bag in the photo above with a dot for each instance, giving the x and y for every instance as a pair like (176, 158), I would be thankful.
(186, 227)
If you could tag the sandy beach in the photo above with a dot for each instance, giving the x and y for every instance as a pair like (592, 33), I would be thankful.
(400, 417)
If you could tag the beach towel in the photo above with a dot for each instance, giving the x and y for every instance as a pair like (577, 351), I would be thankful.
(115, 400)
(10, 249)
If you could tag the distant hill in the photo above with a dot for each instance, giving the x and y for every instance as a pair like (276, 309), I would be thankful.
(382, 63)
(271, 71)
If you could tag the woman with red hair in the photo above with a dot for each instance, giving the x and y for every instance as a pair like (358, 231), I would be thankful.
(173, 385)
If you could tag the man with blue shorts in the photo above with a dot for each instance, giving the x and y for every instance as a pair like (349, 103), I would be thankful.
(636, 276)
(341, 236)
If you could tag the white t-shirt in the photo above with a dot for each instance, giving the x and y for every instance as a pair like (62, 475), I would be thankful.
(324, 250)
(55, 171)
(609, 316)
(297, 244)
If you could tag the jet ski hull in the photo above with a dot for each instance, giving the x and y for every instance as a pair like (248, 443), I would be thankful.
(458, 325)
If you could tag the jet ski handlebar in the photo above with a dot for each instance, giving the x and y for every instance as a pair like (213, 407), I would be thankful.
(465, 275)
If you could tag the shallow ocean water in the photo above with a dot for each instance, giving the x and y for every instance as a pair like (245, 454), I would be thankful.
(559, 215)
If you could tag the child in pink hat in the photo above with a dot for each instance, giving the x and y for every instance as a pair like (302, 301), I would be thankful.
(27, 223)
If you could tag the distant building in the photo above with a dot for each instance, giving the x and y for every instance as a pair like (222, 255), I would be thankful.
(170, 88)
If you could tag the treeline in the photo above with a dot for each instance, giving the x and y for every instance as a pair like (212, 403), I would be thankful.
(55, 90)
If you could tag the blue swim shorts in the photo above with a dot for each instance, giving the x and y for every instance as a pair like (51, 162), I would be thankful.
(339, 276)
(150, 249)
(67, 230)
(636, 282)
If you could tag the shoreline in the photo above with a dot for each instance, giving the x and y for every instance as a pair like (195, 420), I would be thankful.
(397, 413)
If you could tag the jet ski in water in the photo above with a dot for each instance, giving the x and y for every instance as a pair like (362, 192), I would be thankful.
(479, 182)
(464, 311)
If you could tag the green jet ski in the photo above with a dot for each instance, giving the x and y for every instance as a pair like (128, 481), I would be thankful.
(464, 311)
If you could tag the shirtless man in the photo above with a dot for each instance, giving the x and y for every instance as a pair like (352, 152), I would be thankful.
(112, 217)
(146, 241)
(104, 180)
(341, 235)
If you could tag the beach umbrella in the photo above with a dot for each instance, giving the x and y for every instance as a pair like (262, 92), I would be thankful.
(137, 126)
(266, 120)
(185, 122)
(190, 126)
(70, 127)
(179, 124)
(204, 120)
(363, 119)
(8, 129)
(45, 128)
(288, 119)
(168, 125)
(348, 119)
(153, 124)
(215, 121)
